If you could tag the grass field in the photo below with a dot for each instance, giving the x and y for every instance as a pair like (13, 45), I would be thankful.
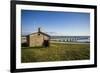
(56, 52)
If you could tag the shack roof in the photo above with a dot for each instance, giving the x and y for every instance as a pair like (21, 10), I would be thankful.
(40, 33)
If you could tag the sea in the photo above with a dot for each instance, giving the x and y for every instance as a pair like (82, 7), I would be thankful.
(84, 39)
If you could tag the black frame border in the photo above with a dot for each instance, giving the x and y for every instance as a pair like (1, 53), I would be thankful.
(13, 35)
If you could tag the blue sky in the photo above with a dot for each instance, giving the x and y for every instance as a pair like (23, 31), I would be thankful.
(55, 23)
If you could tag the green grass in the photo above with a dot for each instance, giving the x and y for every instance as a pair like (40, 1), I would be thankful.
(56, 52)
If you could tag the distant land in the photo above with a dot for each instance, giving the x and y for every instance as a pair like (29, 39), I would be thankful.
(53, 34)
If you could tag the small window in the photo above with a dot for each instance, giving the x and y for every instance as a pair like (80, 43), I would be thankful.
(39, 34)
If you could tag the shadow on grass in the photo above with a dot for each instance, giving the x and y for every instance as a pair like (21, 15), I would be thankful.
(37, 47)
